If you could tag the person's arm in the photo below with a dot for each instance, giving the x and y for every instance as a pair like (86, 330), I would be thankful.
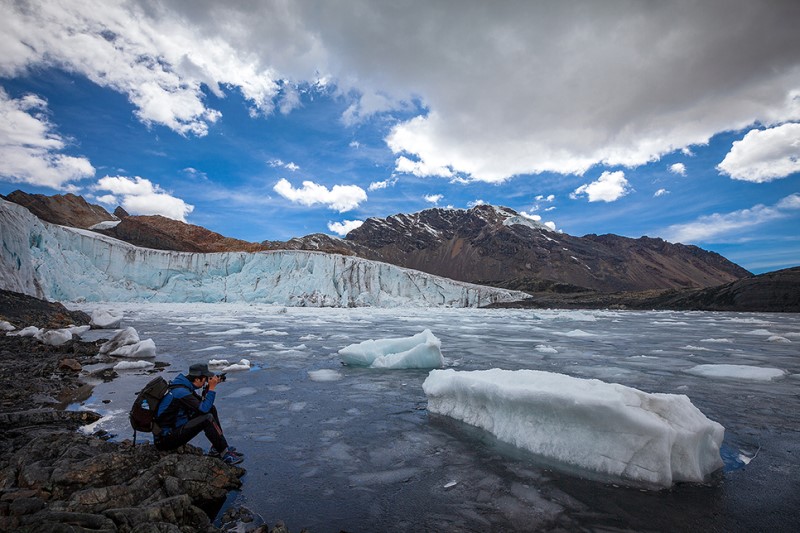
(195, 404)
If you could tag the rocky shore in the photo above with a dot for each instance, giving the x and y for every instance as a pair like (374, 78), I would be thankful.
(54, 478)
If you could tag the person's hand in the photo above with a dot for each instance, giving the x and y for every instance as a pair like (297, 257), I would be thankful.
(212, 382)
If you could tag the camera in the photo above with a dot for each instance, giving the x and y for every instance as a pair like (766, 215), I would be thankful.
(222, 377)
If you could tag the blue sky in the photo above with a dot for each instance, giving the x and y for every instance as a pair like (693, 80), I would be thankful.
(266, 121)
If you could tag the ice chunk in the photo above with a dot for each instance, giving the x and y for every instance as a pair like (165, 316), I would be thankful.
(218, 362)
(243, 364)
(422, 350)
(102, 319)
(545, 348)
(123, 337)
(752, 373)
(54, 337)
(324, 374)
(133, 365)
(654, 439)
(6, 326)
(145, 348)
(30, 331)
(779, 339)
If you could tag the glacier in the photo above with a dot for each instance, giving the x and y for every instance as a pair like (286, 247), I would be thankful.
(68, 264)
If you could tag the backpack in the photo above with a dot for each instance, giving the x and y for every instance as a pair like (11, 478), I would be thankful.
(145, 407)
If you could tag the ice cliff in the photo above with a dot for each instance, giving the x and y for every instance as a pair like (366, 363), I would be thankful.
(68, 264)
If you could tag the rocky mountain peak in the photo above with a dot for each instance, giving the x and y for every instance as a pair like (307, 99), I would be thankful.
(63, 209)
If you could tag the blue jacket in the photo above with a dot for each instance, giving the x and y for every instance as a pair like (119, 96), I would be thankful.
(181, 404)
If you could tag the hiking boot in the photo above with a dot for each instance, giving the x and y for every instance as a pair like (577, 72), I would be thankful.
(231, 459)
(213, 452)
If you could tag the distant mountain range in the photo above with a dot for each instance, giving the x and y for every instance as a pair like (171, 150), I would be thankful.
(485, 245)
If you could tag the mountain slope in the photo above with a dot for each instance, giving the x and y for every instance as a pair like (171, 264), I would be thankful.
(497, 246)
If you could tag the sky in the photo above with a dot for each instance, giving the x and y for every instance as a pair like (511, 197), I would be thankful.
(267, 120)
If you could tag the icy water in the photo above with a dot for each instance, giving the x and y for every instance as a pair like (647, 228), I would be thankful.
(336, 448)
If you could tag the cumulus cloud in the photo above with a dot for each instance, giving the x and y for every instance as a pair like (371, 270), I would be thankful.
(340, 198)
(433, 198)
(609, 187)
(475, 203)
(545, 89)
(725, 225)
(344, 227)
(764, 155)
(377, 185)
(140, 196)
(31, 148)
(678, 168)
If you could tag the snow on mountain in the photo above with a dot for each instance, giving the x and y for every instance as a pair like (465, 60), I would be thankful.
(68, 264)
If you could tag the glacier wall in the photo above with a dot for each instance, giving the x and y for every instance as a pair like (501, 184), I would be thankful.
(67, 264)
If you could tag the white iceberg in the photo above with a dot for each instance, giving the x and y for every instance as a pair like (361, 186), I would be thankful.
(126, 343)
(102, 319)
(54, 337)
(422, 350)
(133, 365)
(652, 439)
(748, 372)
(30, 331)
(145, 348)
(243, 364)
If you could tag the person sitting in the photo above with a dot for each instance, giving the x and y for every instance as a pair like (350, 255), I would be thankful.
(183, 414)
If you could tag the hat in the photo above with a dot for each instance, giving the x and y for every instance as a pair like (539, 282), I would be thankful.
(199, 370)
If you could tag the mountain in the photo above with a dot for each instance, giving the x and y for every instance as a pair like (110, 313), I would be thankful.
(484, 245)
(70, 264)
(497, 246)
(777, 292)
(66, 209)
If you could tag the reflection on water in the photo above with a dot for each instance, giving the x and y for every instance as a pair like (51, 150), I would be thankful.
(332, 447)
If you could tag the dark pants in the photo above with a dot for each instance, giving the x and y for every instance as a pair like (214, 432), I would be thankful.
(208, 424)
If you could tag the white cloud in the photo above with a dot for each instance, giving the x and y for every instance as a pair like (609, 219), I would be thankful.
(660, 192)
(421, 169)
(340, 198)
(609, 187)
(726, 225)
(535, 218)
(547, 89)
(280, 163)
(475, 203)
(764, 155)
(376, 185)
(678, 168)
(141, 197)
(433, 198)
(344, 227)
(30, 147)
(543, 198)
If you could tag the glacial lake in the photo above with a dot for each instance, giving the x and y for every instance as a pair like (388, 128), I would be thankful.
(331, 448)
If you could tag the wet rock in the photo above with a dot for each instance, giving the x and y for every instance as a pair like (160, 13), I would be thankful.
(70, 364)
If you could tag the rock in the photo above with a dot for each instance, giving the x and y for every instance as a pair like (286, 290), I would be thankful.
(70, 364)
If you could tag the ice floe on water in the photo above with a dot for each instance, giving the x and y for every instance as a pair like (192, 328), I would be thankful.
(779, 339)
(545, 348)
(105, 319)
(603, 427)
(126, 343)
(134, 365)
(422, 350)
(747, 372)
(324, 374)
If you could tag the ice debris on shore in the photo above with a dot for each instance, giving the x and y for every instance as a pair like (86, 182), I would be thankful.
(611, 429)
(6, 326)
(134, 365)
(126, 343)
(422, 350)
(53, 337)
(103, 319)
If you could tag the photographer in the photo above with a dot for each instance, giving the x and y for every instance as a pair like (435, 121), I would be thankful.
(183, 413)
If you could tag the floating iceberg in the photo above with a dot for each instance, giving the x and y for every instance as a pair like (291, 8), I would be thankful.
(133, 365)
(751, 373)
(651, 439)
(243, 364)
(423, 350)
